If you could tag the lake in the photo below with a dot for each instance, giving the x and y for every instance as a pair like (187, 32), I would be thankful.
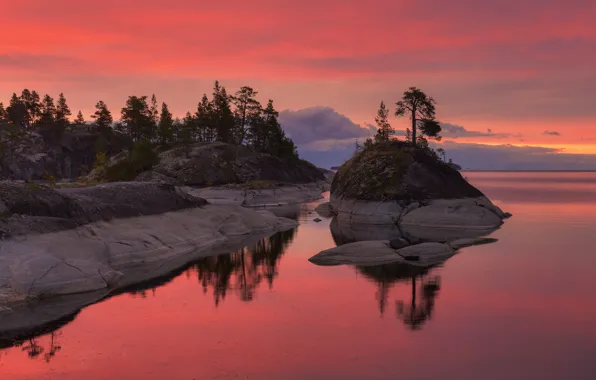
(523, 307)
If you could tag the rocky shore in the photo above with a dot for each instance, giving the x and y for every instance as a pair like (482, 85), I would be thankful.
(102, 238)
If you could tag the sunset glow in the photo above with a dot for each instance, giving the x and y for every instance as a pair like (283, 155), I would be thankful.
(519, 69)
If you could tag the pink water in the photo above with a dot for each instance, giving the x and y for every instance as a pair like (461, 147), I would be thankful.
(521, 308)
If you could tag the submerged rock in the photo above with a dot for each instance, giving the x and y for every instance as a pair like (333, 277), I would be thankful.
(378, 252)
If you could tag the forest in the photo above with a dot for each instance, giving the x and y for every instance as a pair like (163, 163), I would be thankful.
(236, 119)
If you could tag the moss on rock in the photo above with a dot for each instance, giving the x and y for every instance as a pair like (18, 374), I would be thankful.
(396, 170)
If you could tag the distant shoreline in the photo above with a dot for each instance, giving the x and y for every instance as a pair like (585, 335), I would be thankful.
(529, 171)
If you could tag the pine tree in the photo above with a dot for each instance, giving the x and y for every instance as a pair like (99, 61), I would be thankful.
(17, 111)
(35, 107)
(248, 109)
(222, 112)
(62, 111)
(154, 110)
(384, 129)
(48, 110)
(32, 103)
(138, 119)
(3, 113)
(421, 109)
(271, 138)
(205, 121)
(27, 100)
(80, 120)
(186, 129)
(103, 117)
(166, 125)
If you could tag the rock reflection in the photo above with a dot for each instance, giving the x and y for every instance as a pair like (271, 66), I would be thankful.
(244, 270)
(425, 288)
(345, 232)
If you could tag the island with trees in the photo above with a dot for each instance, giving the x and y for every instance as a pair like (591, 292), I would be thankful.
(399, 199)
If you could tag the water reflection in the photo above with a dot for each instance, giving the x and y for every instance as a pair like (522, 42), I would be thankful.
(424, 290)
(242, 271)
(34, 347)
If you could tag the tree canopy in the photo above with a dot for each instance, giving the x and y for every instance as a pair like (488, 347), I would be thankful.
(235, 119)
(384, 129)
(421, 110)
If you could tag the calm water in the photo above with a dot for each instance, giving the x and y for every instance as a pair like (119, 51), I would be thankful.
(521, 308)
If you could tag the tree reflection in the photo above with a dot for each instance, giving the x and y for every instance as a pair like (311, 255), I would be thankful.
(244, 270)
(419, 310)
(34, 348)
(421, 305)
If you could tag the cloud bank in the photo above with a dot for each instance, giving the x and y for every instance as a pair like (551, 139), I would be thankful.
(327, 138)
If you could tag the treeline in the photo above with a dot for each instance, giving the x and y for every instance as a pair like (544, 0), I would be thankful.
(235, 119)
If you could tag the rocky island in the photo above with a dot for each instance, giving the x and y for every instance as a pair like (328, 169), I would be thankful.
(399, 201)
(392, 201)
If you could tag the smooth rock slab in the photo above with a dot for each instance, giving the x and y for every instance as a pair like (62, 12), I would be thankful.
(379, 252)
(366, 212)
(469, 213)
(279, 196)
(112, 254)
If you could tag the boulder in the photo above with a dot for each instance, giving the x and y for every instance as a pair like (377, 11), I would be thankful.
(366, 212)
(464, 212)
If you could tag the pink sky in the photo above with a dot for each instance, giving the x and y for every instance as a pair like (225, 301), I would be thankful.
(515, 67)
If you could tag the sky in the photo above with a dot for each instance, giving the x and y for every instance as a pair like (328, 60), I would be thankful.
(515, 81)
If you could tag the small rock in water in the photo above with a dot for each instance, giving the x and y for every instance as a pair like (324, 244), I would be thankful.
(398, 243)
(317, 220)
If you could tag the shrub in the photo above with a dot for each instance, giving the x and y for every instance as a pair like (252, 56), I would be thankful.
(142, 157)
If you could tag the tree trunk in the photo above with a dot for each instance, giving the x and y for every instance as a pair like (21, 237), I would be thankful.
(414, 125)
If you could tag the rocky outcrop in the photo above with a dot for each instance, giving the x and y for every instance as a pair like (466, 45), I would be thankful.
(283, 194)
(213, 164)
(33, 208)
(329, 174)
(110, 236)
(40, 154)
(394, 183)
